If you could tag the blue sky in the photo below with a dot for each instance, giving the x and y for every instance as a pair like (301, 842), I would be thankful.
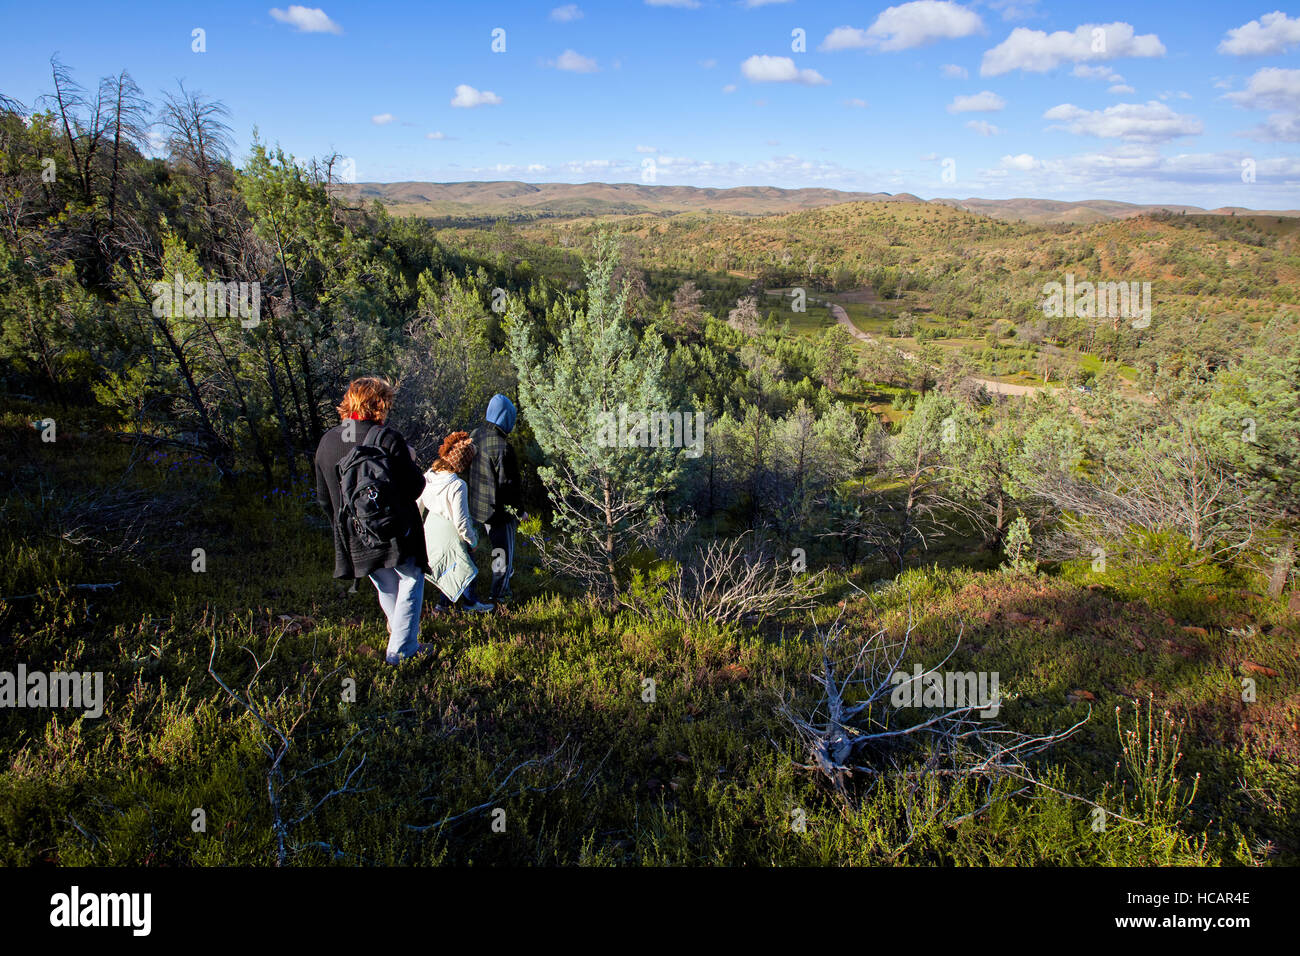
(1147, 102)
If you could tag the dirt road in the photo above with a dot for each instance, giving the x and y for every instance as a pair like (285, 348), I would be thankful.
(994, 388)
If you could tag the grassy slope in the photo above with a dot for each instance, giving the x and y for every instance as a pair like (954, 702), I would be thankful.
(702, 775)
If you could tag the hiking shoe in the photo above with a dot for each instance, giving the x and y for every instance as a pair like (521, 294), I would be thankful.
(478, 606)
(420, 650)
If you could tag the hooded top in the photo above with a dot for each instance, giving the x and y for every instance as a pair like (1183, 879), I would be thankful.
(447, 496)
(501, 412)
(494, 473)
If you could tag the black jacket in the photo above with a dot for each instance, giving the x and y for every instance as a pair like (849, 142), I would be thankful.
(352, 559)
(493, 476)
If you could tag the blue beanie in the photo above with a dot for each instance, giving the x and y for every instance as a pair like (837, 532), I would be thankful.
(501, 412)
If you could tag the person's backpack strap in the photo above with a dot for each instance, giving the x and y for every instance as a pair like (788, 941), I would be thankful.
(371, 439)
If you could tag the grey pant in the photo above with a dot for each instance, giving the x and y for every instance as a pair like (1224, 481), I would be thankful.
(501, 542)
(401, 592)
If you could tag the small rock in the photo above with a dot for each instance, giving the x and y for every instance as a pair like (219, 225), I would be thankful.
(1195, 631)
(1075, 696)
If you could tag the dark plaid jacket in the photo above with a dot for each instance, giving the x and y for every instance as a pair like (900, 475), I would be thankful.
(493, 477)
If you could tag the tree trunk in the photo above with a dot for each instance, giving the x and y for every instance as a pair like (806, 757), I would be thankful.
(1282, 569)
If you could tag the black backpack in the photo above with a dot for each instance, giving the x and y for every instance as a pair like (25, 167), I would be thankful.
(366, 494)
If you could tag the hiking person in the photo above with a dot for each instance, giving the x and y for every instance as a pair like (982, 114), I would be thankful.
(494, 490)
(449, 534)
(368, 482)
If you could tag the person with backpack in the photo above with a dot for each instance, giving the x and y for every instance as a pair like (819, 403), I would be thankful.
(449, 534)
(368, 483)
(494, 490)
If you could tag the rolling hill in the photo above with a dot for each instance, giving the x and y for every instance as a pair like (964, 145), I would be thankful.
(518, 199)
(513, 199)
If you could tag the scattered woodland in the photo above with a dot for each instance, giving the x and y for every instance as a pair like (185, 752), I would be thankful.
(696, 666)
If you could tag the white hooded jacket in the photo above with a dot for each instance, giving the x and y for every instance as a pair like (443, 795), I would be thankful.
(446, 494)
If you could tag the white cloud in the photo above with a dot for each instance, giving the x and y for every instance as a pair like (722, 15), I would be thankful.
(1037, 52)
(951, 71)
(1270, 89)
(566, 13)
(1015, 9)
(788, 171)
(762, 3)
(1272, 33)
(535, 167)
(985, 102)
(1151, 122)
(708, 64)
(908, 25)
(590, 165)
(983, 127)
(647, 149)
(1144, 165)
(435, 135)
(924, 21)
(684, 4)
(1277, 128)
(845, 38)
(1086, 72)
(779, 69)
(856, 103)
(1022, 162)
(729, 88)
(467, 97)
(929, 157)
(382, 119)
(306, 19)
(573, 62)
(1120, 88)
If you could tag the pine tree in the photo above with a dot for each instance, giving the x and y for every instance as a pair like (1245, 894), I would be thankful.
(575, 395)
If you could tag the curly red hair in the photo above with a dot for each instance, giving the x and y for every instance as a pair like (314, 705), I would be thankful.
(455, 453)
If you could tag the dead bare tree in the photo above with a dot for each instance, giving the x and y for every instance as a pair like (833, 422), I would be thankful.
(83, 131)
(736, 579)
(502, 791)
(277, 741)
(198, 136)
(127, 123)
(1182, 489)
(855, 732)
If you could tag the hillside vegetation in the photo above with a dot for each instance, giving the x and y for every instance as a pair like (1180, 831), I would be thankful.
(700, 661)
